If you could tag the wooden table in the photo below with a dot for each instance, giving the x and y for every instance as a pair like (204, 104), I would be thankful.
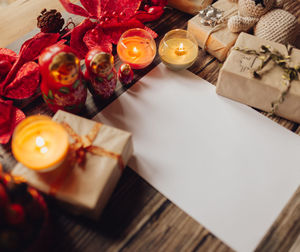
(138, 218)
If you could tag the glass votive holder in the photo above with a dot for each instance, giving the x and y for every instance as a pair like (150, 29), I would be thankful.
(178, 49)
(137, 48)
(40, 143)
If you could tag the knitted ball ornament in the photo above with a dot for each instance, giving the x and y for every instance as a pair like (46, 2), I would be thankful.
(283, 27)
(267, 19)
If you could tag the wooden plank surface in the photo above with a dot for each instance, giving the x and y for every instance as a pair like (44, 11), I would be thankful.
(138, 218)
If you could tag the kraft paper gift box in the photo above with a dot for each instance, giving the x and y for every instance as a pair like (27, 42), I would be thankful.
(85, 190)
(236, 82)
(215, 40)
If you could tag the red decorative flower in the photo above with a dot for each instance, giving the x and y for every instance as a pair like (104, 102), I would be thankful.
(113, 17)
(19, 79)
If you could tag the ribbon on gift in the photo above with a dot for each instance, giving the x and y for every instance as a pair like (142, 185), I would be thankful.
(216, 19)
(78, 150)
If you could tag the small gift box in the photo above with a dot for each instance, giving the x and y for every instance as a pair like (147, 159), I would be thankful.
(88, 176)
(264, 75)
(210, 28)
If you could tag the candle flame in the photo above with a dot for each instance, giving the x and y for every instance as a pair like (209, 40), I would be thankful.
(180, 50)
(40, 143)
(181, 47)
(134, 52)
(44, 150)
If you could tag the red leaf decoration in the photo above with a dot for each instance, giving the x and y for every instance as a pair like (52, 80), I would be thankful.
(33, 47)
(30, 50)
(77, 36)
(10, 116)
(97, 39)
(74, 9)
(25, 83)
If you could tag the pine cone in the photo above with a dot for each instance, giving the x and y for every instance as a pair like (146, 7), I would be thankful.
(50, 21)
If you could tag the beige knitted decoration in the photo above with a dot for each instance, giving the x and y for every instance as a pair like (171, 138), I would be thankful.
(239, 23)
(277, 25)
(268, 22)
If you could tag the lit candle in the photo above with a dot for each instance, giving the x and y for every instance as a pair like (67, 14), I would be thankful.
(137, 48)
(178, 50)
(40, 143)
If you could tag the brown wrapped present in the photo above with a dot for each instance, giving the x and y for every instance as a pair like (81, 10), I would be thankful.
(189, 6)
(212, 33)
(87, 187)
(264, 75)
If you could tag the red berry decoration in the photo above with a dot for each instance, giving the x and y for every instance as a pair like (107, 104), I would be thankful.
(14, 214)
(125, 74)
(3, 196)
(23, 214)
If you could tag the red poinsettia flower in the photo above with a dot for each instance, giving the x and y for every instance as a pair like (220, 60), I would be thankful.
(19, 79)
(113, 17)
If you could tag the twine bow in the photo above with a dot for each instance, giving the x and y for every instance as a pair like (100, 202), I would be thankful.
(266, 55)
(78, 150)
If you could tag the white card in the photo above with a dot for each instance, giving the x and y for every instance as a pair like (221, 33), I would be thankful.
(228, 166)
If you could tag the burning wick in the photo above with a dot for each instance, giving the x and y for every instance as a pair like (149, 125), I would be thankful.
(134, 52)
(40, 143)
(180, 50)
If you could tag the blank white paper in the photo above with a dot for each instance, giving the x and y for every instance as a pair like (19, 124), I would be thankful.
(226, 165)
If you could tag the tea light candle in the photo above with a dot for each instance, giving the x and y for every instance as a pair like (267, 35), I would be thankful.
(137, 48)
(40, 143)
(178, 49)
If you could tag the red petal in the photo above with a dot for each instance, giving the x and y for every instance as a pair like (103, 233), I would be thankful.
(114, 31)
(10, 116)
(25, 83)
(74, 9)
(77, 36)
(152, 14)
(93, 7)
(95, 38)
(153, 33)
(9, 55)
(129, 7)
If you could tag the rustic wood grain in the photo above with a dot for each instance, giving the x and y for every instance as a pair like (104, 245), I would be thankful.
(138, 218)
